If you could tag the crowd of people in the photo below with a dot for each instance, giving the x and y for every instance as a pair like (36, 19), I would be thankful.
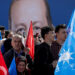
(47, 48)
(48, 39)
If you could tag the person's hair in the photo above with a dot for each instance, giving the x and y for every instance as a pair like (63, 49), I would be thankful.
(48, 16)
(21, 59)
(45, 30)
(60, 26)
(17, 36)
(2, 28)
(7, 32)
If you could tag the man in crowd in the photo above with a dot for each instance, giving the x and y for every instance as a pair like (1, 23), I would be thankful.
(61, 35)
(17, 50)
(44, 62)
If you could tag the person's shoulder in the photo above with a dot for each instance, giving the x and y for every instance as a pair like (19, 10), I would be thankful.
(28, 72)
(42, 44)
(54, 43)
(8, 40)
(9, 52)
(23, 53)
(38, 46)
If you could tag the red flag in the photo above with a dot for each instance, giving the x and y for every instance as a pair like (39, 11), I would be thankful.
(3, 68)
(30, 41)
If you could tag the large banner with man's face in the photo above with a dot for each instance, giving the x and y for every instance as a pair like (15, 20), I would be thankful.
(60, 12)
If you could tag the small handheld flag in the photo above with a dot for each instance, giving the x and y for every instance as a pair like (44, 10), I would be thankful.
(30, 41)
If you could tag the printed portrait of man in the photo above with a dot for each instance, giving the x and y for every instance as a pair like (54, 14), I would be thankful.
(22, 12)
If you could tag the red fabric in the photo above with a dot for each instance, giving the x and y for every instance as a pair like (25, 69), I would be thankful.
(30, 41)
(3, 68)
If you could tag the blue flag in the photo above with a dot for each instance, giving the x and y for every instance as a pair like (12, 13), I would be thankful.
(66, 62)
(12, 68)
(0, 36)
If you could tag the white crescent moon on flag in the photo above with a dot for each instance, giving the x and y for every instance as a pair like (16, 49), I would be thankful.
(3, 69)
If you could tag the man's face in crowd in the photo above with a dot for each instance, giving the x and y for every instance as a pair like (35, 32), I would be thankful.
(25, 11)
(62, 34)
(51, 36)
(16, 43)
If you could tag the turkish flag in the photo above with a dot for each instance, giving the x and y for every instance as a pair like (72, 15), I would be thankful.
(30, 41)
(3, 68)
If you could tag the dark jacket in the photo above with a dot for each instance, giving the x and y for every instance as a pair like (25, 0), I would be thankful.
(26, 72)
(55, 48)
(43, 60)
(7, 45)
(8, 56)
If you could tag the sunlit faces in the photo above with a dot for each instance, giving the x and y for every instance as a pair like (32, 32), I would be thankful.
(62, 34)
(51, 36)
(25, 11)
(21, 66)
(17, 43)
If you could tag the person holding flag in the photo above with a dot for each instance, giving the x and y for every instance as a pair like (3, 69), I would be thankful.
(28, 50)
(17, 50)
